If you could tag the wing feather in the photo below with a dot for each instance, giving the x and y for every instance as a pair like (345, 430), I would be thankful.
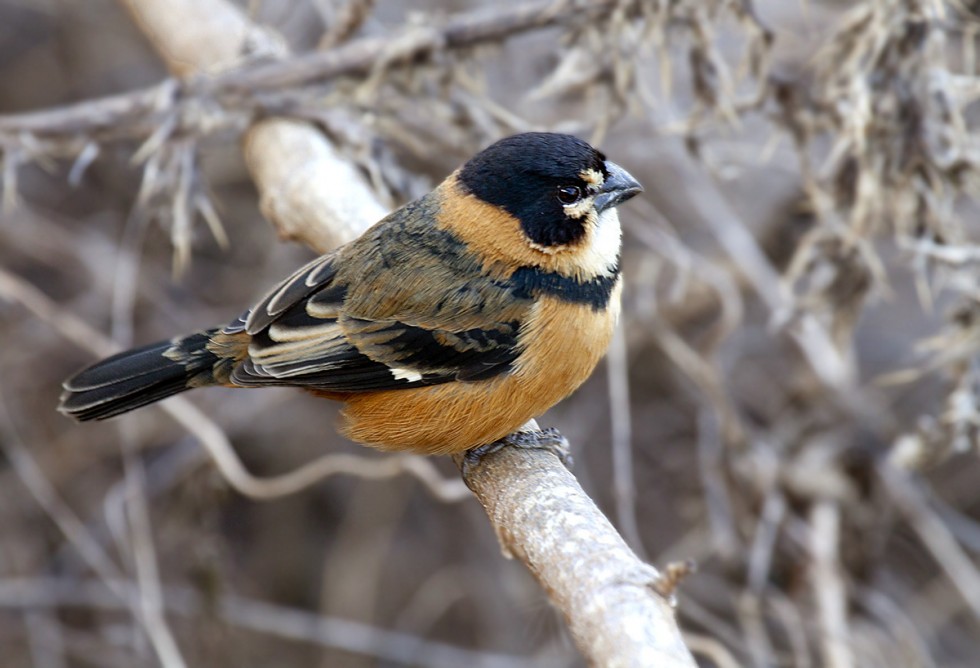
(389, 326)
(303, 283)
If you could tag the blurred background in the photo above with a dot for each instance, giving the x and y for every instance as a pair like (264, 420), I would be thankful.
(792, 402)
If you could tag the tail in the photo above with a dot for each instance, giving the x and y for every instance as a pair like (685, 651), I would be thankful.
(140, 376)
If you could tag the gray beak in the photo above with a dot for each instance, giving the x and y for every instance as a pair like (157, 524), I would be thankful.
(619, 187)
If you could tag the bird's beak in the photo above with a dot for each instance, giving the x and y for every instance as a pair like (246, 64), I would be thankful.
(618, 187)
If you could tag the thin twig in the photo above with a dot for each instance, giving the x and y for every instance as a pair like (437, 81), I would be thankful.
(624, 486)
(139, 533)
(347, 22)
(829, 588)
(934, 533)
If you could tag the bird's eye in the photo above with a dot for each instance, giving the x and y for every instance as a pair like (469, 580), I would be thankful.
(569, 194)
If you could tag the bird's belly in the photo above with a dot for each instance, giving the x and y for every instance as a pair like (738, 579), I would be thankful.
(563, 344)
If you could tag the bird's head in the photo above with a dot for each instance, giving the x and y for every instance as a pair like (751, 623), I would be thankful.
(552, 197)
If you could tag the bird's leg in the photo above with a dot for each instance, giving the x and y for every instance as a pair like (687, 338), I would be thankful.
(549, 439)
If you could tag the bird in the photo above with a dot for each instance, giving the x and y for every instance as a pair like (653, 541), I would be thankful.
(444, 327)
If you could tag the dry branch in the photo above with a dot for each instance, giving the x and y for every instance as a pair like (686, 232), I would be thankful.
(829, 589)
(202, 38)
(311, 193)
(607, 595)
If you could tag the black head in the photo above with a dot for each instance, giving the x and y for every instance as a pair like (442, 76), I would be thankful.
(550, 182)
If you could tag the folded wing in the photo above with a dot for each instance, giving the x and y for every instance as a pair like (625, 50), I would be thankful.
(310, 331)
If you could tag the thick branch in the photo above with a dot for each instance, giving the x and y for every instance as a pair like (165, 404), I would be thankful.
(306, 188)
(607, 595)
(206, 37)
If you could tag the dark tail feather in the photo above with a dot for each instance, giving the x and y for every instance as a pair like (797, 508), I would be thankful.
(139, 377)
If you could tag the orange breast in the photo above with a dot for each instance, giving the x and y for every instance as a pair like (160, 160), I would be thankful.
(563, 343)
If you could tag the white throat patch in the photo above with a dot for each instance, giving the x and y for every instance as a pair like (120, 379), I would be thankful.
(601, 256)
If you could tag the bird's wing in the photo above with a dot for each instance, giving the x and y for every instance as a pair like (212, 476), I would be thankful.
(394, 325)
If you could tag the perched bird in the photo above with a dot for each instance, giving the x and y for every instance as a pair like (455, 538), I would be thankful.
(445, 326)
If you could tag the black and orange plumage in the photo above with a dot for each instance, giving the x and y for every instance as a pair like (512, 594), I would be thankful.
(447, 325)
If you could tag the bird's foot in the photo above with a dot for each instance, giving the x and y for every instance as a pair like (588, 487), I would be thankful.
(540, 439)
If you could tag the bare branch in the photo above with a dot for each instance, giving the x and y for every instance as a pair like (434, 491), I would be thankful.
(606, 594)
(934, 534)
(306, 188)
(829, 589)
(202, 37)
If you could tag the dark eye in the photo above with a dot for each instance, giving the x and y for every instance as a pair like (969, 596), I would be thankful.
(569, 194)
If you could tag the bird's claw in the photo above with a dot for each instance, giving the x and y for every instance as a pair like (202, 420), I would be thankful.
(549, 439)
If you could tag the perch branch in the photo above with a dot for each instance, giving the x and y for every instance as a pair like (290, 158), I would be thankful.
(606, 593)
